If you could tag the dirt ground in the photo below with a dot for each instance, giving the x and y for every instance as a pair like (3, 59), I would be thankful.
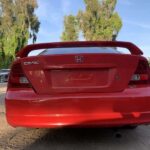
(70, 139)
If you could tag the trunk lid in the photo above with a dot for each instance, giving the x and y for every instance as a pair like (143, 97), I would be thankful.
(79, 73)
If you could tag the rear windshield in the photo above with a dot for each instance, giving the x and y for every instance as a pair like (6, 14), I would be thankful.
(79, 50)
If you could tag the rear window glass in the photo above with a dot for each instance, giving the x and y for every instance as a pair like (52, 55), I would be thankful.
(79, 50)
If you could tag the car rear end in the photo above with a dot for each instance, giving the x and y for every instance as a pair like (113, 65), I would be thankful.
(83, 84)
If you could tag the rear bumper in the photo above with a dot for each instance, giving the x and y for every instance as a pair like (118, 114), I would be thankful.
(27, 109)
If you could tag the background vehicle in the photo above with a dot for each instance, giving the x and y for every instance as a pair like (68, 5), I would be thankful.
(79, 84)
(4, 73)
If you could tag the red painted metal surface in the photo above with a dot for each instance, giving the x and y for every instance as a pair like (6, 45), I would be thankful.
(103, 90)
(98, 73)
(25, 108)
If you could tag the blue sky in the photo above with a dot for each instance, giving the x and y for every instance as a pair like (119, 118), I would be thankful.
(135, 15)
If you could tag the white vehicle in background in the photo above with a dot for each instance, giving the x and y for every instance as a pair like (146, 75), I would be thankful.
(4, 74)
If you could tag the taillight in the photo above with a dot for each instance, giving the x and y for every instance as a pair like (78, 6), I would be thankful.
(17, 78)
(141, 75)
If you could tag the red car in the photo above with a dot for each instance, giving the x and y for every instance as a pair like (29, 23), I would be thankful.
(79, 84)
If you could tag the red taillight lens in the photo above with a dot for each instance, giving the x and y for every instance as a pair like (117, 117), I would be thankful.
(141, 75)
(17, 78)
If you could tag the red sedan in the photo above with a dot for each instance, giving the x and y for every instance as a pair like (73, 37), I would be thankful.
(79, 84)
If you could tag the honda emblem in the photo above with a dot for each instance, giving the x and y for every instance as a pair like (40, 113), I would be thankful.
(79, 59)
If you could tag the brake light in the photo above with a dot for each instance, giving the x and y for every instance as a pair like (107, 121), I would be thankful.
(141, 75)
(17, 78)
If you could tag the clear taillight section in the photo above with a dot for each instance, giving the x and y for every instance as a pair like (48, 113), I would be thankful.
(141, 75)
(17, 78)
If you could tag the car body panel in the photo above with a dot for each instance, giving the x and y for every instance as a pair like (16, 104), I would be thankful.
(25, 108)
(98, 73)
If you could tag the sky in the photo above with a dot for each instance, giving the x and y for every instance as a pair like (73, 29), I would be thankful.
(135, 15)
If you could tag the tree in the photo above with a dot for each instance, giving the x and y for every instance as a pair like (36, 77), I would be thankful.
(70, 29)
(98, 21)
(18, 23)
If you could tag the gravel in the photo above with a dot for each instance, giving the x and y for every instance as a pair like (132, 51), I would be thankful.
(70, 138)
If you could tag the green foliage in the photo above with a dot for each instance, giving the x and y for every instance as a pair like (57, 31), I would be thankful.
(98, 21)
(7, 62)
(18, 23)
(71, 31)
